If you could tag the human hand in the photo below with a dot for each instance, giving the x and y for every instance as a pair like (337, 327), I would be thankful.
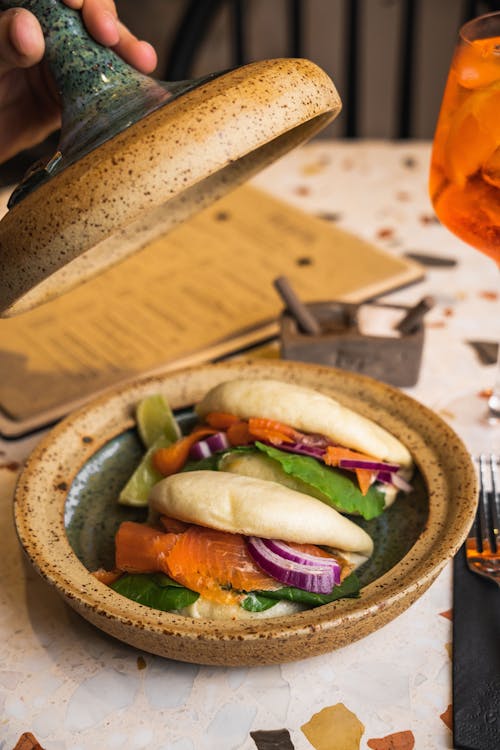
(29, 107)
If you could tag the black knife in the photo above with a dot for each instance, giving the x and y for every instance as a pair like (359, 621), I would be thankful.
(476, 659)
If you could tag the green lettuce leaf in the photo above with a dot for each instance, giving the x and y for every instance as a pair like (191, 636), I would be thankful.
(157, 591)
(211, 463)
(339, 489)
(258, 601)
(161, 592)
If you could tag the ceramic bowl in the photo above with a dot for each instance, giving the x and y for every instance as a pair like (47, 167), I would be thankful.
(66, 514)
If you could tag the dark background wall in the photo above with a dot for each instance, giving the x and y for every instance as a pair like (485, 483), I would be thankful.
(323, 25)
(374, 111)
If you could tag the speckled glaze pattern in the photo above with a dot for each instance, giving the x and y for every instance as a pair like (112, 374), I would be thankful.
(441, 458)
(153, 166)
(100, 94)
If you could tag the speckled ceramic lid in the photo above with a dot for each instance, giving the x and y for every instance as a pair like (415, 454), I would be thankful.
(138, 156)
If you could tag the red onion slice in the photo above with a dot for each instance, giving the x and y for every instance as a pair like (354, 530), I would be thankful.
(386, 477)
(217, 442)
(289, 553)
(317, 578)
(401, 483)
(314, 440)
(358, 463)
(200, 450)
(212, 444)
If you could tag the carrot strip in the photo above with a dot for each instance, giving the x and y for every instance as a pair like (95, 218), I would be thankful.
(364, 477)
(272, 425)
(334, 455)
(221, 420)
(171, 459)
(272, 431)
(142, 549)
(239, 434)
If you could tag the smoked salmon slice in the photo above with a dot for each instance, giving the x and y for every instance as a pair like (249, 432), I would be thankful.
(142, 549)
(217, 565)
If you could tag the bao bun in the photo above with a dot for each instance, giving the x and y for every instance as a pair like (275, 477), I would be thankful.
(254, 507)
(306, 410)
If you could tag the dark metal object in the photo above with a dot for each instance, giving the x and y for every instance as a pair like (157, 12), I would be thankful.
(394, 360)
(412, 321)
(301, 313)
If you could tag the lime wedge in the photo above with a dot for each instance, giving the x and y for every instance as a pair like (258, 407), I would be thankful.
(154, 418)
(157, 428)
(140, 484)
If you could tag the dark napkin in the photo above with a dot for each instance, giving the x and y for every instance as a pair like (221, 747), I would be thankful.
(476, 659)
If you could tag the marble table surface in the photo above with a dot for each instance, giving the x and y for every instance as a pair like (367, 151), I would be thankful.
(74, 688)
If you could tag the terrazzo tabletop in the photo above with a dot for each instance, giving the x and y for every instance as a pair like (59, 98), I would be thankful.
(75, 688)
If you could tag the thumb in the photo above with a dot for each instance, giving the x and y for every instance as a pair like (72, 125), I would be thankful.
(21, 40)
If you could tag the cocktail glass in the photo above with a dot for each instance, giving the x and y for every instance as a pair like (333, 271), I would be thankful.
(465, 165)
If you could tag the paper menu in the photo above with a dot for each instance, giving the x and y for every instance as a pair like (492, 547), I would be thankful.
(198, 293)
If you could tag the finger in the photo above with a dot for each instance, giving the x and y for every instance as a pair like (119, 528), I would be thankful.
(21, 40)
(101, 20)
(137, 53)
(76, 4)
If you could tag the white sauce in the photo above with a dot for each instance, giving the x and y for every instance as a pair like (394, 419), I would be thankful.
(204, 609)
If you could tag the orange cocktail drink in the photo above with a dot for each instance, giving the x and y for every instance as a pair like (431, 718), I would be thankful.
(465, 168)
